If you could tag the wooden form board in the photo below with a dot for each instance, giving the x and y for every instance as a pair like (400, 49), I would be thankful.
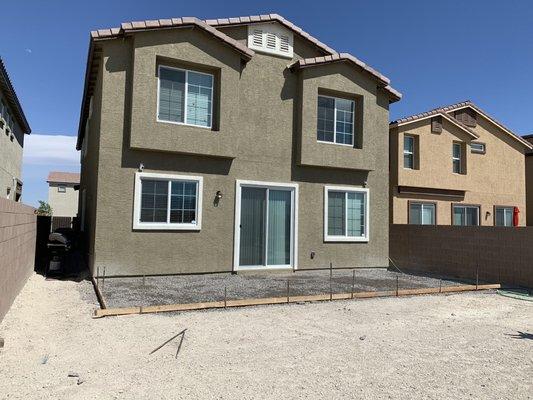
(284, 300)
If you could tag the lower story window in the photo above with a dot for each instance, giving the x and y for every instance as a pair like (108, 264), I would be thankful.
(167, 201)
(466, 215)
(504, 216)
(346, 214)
(422, 213)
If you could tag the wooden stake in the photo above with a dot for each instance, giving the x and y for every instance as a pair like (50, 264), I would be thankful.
(288, 289)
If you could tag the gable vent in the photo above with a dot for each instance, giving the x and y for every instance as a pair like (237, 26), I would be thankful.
(284, 43)
(257, 38)
(271, 38)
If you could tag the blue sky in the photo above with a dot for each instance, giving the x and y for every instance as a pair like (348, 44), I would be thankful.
(435, 53)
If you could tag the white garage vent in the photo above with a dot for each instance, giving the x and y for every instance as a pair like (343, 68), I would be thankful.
(270, 38)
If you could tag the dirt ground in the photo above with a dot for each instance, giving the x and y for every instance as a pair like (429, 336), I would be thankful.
(127, 292)
(470, 345)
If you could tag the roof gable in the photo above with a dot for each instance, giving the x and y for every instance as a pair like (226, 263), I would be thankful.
(456, 107)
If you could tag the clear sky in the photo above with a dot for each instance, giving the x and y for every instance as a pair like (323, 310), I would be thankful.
(435, 53)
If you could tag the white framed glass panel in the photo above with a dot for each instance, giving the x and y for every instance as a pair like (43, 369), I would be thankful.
(279, 227)
(167, 202)
(504, 216)
(456, 158)
(346, 214)
(408, 151)
(252, 226)
(185, 97)
(466, 215)
(335, 120)
(422, 213)
(477, 148)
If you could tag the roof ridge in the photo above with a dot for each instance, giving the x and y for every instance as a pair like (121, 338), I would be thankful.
(13, 97)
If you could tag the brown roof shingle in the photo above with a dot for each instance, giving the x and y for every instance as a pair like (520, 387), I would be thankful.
(63, 177)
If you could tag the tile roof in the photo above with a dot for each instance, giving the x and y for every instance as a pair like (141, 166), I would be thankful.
(270, 18)
(457, 106)
(338, 57)
(63, 177)
(128, 27)
(11, 96)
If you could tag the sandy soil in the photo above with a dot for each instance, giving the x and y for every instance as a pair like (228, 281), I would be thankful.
(426, 347)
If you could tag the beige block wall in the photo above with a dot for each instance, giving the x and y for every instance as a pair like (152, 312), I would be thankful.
(10, 158)
(259, 124)
(496, 178)
(529, 188)
(64, 204)
(18, 227)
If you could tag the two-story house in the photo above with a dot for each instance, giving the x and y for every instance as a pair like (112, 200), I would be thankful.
(229, 145)
(63, 193)
(456, 165)
(13, 126)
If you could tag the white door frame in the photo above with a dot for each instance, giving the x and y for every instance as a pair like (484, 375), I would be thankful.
(293, 187)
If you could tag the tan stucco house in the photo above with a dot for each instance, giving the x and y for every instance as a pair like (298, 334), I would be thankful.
(457, 165)
(63, 193)
(230, 145)
(529, 180)
(13, 126)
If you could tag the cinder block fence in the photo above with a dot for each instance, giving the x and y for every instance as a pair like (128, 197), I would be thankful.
(17, 250)
(495, 254)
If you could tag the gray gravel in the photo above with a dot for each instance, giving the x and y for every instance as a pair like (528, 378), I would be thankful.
(127, 292)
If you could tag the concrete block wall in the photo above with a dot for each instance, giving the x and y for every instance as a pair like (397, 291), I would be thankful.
(495, 254)
(18, 225)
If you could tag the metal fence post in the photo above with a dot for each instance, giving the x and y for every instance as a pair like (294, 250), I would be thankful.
(353, 282)
(330, 279)
(397, 284)
(288, 289)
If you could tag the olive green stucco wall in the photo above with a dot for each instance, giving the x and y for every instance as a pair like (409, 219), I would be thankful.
(258, 136)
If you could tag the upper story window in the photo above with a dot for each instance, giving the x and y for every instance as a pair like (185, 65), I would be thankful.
(408, 152)
(61, 189)
(4, 113)
(346, 216)
(335, 120)
(185, 97)
(477, 147)
(457, 158)
(167, 201)
(270, 38)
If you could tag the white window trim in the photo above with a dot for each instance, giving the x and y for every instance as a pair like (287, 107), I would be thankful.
(239, 184)
(511, 208)
(138, 225)
(335, 123)
(474, 150)
(61, 189)
(411, 153)
(185, 99)
(353, 189)
(457, 158)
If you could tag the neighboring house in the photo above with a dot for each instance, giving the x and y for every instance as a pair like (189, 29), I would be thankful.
(228, 145)
(529, 181)
(456, 165)
(13, 126)
(63, 193)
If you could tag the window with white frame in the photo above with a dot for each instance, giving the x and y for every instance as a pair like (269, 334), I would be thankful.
(61, 189)
(346, 215)
(185, 97)
(335, 120)
(456, 158)
(477, 147)
(165, 201)
(408, 152)
(422, 213)
(504, 216)
(465, 215)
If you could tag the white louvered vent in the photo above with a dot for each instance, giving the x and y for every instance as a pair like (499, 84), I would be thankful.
(284, 44)
(257, 38)
(271, 38)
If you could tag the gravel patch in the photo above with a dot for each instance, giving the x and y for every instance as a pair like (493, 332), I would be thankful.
(469, 345)
(127, 292)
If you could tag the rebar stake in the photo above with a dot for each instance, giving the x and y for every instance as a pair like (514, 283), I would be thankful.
(440, 285)
(225, 293)
(397, 284)
(330, 284)
(103, 280)
(288, 289)
(353, 282)
(477, 276)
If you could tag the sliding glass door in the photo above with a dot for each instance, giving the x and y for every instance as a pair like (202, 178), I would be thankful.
(266, 226)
